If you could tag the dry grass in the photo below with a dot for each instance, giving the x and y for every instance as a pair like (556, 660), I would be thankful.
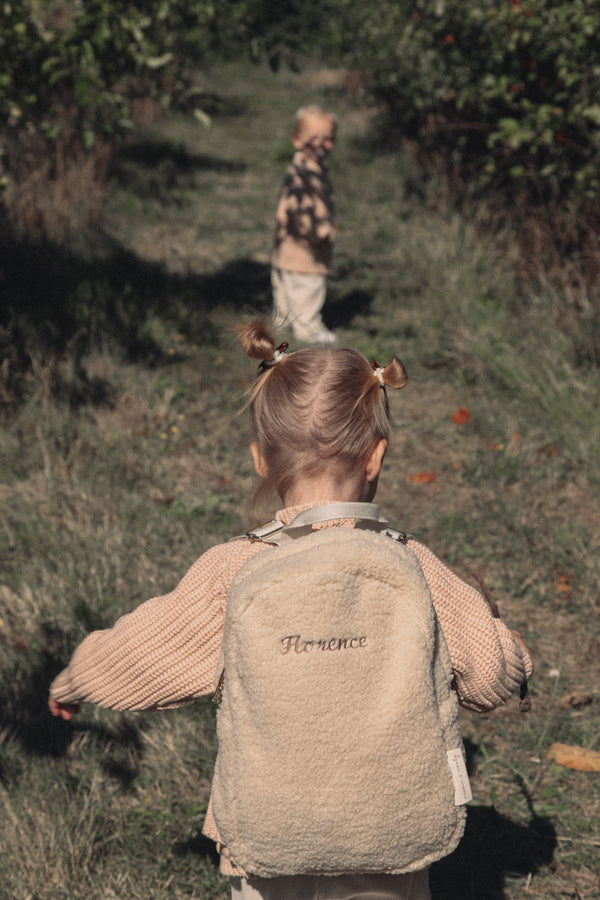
(109, 504)
(56, 190)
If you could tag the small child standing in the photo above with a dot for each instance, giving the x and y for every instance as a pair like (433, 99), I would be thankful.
(321, 426)
(305, 229)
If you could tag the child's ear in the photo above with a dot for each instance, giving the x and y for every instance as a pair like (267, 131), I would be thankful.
(375, 460)
(260, 463)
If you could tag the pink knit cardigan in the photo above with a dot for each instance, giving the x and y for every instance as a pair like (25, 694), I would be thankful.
(165, 653)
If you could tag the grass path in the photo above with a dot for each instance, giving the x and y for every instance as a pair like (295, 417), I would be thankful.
(108, 506)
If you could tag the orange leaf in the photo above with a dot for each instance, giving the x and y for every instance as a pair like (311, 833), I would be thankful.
(576, 699)
(423, 477)
(574, 757)
(461, 416)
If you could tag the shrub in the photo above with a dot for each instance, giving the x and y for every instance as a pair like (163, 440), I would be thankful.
(510, 89)
(78, 66)
(76, 78)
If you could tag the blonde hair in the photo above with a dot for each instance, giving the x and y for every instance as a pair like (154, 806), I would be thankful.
(317, 407)
(312, 112)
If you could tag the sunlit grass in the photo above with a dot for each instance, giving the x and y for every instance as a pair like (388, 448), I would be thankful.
(108, 500)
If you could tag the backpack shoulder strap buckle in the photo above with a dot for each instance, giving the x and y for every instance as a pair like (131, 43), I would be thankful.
(400, 536)
(264, 532)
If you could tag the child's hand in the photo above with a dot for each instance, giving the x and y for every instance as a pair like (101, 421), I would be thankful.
(525, 651)
(520, 641)
(64, 710)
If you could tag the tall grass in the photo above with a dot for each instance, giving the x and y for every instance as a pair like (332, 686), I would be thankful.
(117, 472)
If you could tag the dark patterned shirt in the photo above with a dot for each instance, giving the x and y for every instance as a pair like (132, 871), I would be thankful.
(305, 224)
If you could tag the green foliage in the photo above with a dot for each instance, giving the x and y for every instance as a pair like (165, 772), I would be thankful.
(288, 29)
(72, 66)
(508, 90)
(509, 86)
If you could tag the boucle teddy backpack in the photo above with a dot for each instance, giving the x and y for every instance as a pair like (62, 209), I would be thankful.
(339, 746)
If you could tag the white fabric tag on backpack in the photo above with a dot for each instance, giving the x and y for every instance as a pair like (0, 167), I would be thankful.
(462, 788)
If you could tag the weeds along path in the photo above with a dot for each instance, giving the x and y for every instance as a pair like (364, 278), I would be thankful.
(493, 464)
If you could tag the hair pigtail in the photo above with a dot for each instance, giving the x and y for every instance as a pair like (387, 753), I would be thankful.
(394, 374)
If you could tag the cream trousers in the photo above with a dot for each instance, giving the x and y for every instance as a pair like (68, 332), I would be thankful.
(414, 886)
(298, 298)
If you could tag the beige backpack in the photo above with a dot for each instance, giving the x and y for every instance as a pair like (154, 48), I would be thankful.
(339, 746)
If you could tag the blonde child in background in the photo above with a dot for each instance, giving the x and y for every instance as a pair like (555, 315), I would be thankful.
(305, 229)
(321, 426)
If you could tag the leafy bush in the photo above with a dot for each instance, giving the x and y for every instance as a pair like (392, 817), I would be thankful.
(69, 64)
(79, 65)
(511, 88)
(77, 77)
(509, 91)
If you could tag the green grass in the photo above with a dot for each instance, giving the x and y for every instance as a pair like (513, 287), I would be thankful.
(118, 471)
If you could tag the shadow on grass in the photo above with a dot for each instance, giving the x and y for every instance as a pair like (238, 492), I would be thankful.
(24, 714)
(34, 732)
(340, 312)
(56, 303)
(492, 848)
(152, 153)
(154, 167)
(200, 846)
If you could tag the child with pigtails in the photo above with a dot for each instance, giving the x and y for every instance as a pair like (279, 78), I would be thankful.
(321, 425)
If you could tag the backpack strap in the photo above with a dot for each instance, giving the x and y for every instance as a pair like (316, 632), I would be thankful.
(367, 516)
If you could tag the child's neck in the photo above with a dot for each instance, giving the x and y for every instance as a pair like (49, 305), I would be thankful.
(318, 490)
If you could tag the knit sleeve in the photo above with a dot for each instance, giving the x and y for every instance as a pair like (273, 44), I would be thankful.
(163, 654)
(489, 663)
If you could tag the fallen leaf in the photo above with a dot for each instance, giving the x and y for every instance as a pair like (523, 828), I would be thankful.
(563, 586)
(575, 699)
(573, 757)
(461, 416)
(548, 450)
(423, 477)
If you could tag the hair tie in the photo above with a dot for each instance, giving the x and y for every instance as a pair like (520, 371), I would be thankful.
(278, 355)
(378, 371)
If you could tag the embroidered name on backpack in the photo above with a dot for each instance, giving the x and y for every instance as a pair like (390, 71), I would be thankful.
(295, 643)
